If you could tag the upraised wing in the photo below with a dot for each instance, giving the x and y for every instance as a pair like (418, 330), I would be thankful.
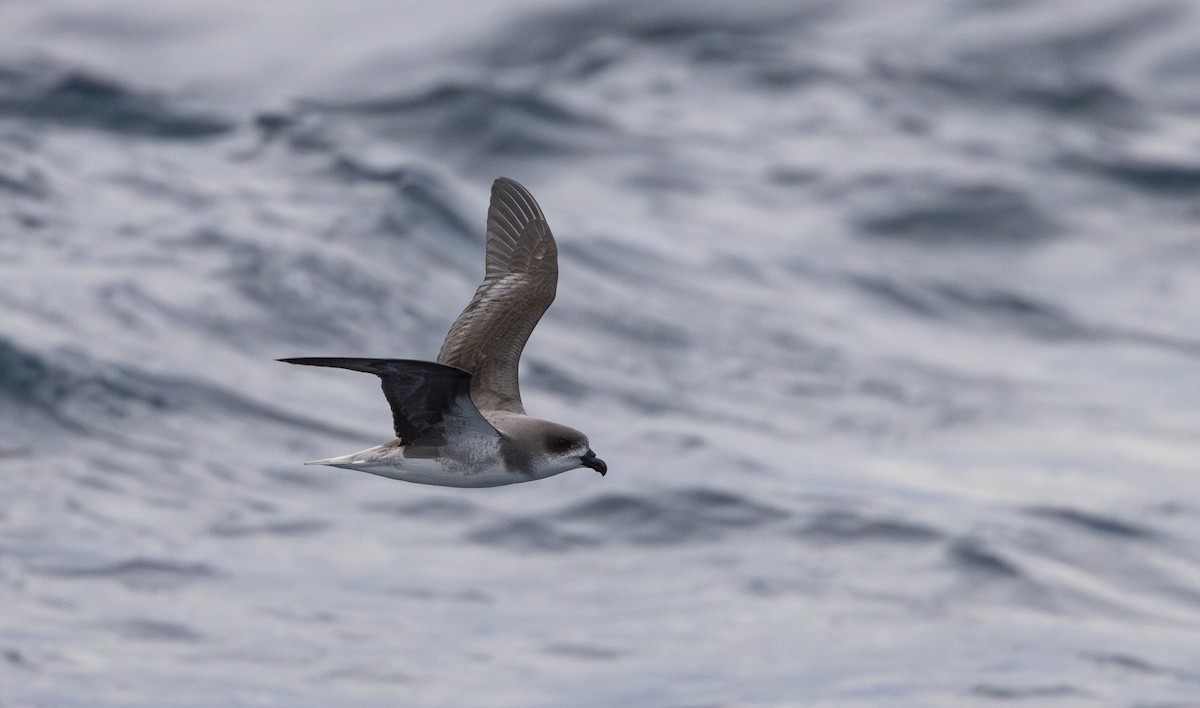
(431, 403)
(519, 283)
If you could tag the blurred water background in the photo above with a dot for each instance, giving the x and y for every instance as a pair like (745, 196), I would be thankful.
(885, 316)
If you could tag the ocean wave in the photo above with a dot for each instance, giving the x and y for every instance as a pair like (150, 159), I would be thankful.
(939, 211)
(1175, 174)
(145, 574)
(1093, 523)
(141, 629)
(972, 305)
(531, 535)
(47, 94)
(86, 396)
(709, 30)
(668, 518)
(850, 526)
(474, 119)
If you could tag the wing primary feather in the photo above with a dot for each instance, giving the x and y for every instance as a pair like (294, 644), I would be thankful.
(521, 277)
(421, 394)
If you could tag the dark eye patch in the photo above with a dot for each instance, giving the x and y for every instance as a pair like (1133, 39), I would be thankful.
(558, 445)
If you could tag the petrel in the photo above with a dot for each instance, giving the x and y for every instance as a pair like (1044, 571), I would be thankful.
(459, 422)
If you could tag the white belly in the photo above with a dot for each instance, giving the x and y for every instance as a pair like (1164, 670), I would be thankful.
(482, 468)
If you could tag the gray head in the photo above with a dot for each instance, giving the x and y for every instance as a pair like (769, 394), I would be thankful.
(543, 448)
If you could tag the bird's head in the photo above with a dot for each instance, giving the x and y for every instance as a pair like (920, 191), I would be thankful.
(555, 448)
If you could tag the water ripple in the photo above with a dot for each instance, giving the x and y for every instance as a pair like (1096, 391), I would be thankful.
(135, 573)
(42, 94)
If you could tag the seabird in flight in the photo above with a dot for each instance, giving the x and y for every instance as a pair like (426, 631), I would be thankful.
(459, 422)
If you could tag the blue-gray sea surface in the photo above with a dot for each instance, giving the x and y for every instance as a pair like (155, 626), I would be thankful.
(885, 316)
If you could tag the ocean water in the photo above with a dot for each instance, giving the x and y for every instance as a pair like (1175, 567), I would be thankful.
(885, 317)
